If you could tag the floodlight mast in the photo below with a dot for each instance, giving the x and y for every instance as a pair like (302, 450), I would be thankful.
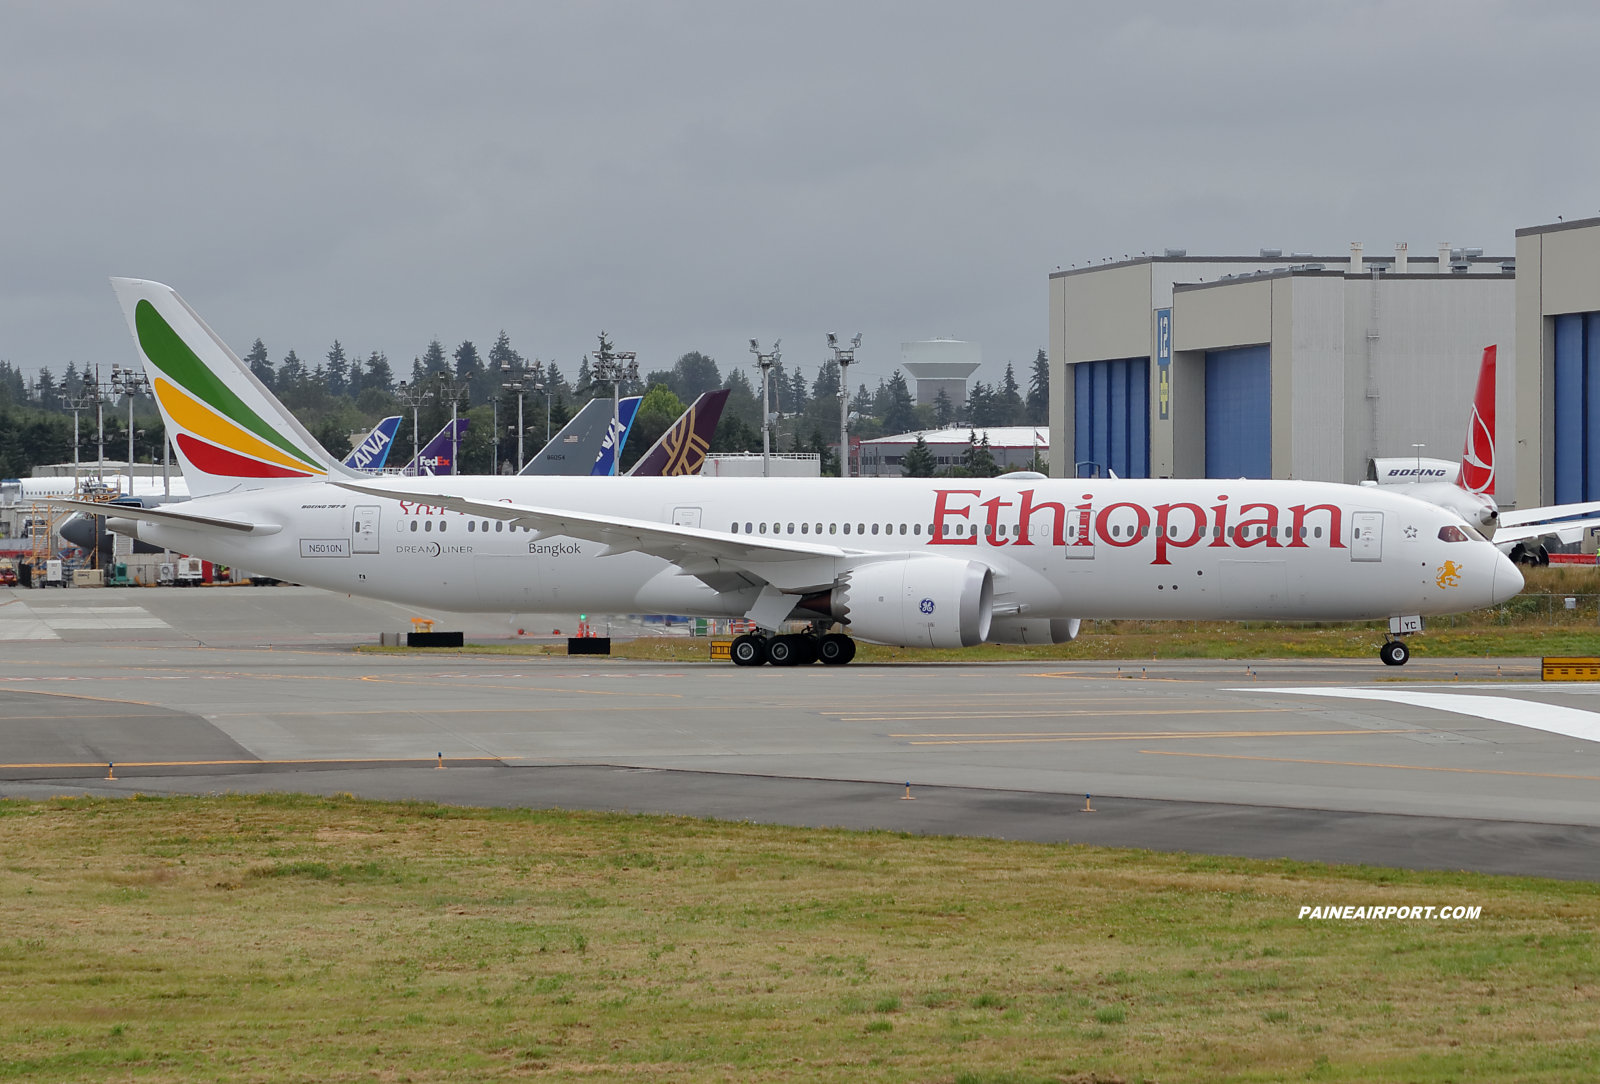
(766, 361)
(615, 367)
(414, 394)
(88, 393)
(128, 382)
(524, 379)
(844, 356)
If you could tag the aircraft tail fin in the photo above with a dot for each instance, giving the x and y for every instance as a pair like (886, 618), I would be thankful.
(1477, 458)
(573, 450)
(682, 449)
(438, 456)
(616, 438)
(373, 452)
(230, 432)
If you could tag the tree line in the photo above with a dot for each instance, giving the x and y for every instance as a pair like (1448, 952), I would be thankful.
(342, 393)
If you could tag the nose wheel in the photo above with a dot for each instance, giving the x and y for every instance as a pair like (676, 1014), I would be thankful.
(1394, 653)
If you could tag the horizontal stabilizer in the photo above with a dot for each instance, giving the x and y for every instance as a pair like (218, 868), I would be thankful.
(164, 516)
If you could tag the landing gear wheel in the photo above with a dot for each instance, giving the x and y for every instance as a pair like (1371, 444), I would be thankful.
(748, 650)
(783, 651)
(1394, 653)
(805, 649)
(836, 649)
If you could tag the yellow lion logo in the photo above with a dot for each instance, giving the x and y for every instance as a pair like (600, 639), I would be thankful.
(1449, 575)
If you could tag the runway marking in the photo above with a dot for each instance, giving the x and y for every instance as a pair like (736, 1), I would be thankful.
(1179, 734)
(854, 718)
(219, 763)
(1529, 714)
(1363, 764)
(514, 688)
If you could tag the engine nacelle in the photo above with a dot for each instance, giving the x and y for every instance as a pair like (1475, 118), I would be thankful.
(918, 602)
(1032, 630)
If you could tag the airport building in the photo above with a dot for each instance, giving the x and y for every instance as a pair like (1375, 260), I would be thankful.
(1013, 447)
(1556, 368)
(1280, 366)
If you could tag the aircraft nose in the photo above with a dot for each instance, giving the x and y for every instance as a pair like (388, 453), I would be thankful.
(1507, 579)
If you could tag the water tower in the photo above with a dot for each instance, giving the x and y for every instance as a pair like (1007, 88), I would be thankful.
(941, 365)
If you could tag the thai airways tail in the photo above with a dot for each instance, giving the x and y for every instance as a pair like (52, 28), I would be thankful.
(1477, 458)
(438, 456)
(682, 449)
(230, 432)
(372, 453)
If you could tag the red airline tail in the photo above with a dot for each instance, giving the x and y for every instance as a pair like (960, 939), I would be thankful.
(1477, 459)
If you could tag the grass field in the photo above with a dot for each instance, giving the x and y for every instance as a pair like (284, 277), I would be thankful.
(296, 938)
(1534, 623)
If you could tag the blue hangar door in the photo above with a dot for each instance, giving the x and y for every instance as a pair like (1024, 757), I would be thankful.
(1111, 417)
(1239, 413)
(1577, 402)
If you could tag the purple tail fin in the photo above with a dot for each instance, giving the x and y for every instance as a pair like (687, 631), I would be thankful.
(682, 449)
(437, 456)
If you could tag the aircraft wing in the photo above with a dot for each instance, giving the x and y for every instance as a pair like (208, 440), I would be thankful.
(1568, 530)
(681, 545)
(1523, 517)
(163, 516)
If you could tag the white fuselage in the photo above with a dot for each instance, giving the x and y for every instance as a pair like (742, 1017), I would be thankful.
(1066, 548)
(1478, 509)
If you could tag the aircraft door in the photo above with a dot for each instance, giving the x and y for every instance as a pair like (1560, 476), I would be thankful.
(366, 529)
(686, 517)
(1366, 536)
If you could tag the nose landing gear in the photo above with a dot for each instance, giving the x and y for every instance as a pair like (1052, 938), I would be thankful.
(1394, 653)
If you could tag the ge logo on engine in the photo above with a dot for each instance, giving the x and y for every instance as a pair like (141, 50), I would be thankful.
(927, 606)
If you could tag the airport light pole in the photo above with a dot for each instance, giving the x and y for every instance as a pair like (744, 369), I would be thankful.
(524, 379)
(82, 401)
(447, 386)
(128, 382)
(845, 356)
(494, 454)
(413, 394)
(766, 361)
(614, 367)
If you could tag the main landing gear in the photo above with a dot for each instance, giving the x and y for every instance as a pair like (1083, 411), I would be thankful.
(794, 649)
(1394, 653)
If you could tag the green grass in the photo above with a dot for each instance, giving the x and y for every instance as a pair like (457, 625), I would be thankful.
(296, 938)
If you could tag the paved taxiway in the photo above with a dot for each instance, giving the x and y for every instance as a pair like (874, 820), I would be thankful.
(1334, 760)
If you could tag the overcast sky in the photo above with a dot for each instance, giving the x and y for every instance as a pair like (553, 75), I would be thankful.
(689, 176)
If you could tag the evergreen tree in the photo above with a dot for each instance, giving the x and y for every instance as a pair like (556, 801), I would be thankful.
(502, 356)
(555, 383)
(417, 372)
(71, 380)
(944, 411)
(981, 408)
(584, 389)
(378, 374)
(468, 363)
(861, 403)
(260, 364)
(1010, 405)
(1039, 390)
(733, 435)
(978, 459)
(798, 392)
(338, 372)
(919, 461)
(433, 360)
(900, 413)
(292, 372)
(694, 374)
(45, 390)
(827, 383)
(828, 463)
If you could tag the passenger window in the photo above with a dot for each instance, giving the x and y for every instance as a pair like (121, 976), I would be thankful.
(916, 528)
(472, 525)
(1316, 532)
(902, 528)
(764, 528)
(833, 528)
(988, 531)
(734, 529)
(804, 527)
(847, 528)
(413, 526)
(498, 524)
(861, 528)
(747, 529)
(1450, 533)
(874, 528)
(443, 523)
(791, 528)
(427, 525)
(819, 528)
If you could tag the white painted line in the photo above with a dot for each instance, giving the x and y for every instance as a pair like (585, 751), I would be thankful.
(1551, 718)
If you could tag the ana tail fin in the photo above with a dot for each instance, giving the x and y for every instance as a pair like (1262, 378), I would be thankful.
(372, 453)
(228, 429)
(1477, 458)
(682, 448)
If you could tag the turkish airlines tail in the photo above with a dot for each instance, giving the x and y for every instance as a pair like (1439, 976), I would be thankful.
(1477, 458)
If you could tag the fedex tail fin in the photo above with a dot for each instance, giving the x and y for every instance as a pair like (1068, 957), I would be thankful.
(1477, 459)
(438, 455)
(373, 452)
(229, 430)
(682, 448)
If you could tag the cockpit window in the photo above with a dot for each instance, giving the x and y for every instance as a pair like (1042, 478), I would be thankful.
(1452, 533)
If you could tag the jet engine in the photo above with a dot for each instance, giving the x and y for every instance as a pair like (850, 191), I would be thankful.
(1032, 630)
(919, 602)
